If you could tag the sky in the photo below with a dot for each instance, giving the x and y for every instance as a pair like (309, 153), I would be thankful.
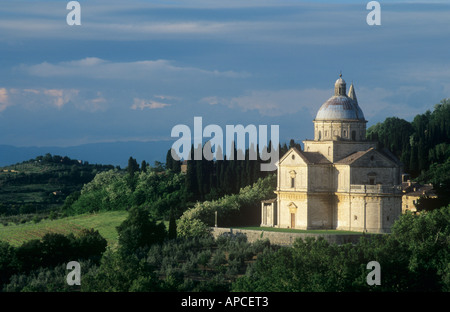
(135, 69)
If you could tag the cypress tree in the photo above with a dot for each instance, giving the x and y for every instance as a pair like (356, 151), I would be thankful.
(176, 166)
(132, 168)
(169, 160)
(191, 177)
(144, 166)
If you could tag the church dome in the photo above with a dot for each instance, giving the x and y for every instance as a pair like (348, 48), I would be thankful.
(340, 106)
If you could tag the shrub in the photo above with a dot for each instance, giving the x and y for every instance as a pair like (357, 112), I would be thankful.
(218, 259)
(192, 228)
(204, 257)
(228, 207)
(260, 245)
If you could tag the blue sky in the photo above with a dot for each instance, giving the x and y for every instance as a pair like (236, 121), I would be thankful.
(135, 69)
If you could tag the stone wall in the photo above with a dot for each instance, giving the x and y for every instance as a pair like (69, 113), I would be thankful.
(286, 239)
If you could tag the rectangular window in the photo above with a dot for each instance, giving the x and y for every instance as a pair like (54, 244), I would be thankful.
(292, 182)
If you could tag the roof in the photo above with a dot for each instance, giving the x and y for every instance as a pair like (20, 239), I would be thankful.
(391, 156)
(356, 155)
(316, 158)
(308, 157)
(340, 107)
(353, 157)
(416, 189)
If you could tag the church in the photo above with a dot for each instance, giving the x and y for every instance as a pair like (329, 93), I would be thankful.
(339, 180)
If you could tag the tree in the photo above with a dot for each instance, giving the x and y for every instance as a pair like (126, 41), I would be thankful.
(139, 231)
(169, 160)
(7, 262)
(172, 226)
(414, 257)
(191, 177)
(89, 244)
(144, 166)
(418, 144)
(120, 272)
(158, 166)
(132, 168)
(56, 249)
(438, 175)
(176, 166)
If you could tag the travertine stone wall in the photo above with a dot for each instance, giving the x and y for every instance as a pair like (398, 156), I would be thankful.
(287, 239)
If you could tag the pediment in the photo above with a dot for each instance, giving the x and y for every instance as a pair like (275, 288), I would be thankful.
(293, 157)
(371, 158)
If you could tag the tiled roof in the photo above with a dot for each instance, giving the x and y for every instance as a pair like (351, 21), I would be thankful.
(416, 189)
(316, 158)
(352, 157)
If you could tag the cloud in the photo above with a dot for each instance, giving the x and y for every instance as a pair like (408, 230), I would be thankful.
(374, 101)
(39, 98)
(96, 68)
(213, 100)
(150, 104)
(4, 99)
(98, 103)
(60, 97)
(274, 102)
(167, 97)
(296, 24)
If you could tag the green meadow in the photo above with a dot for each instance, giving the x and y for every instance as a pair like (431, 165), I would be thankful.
(104, 222)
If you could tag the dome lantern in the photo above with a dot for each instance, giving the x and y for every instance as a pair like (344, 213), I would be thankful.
(340, 87)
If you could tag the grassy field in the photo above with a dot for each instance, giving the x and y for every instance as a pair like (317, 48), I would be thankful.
(104, 222)
(267, 229)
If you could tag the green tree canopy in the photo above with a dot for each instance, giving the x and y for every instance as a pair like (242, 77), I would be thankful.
(415, 257)
(139, 231)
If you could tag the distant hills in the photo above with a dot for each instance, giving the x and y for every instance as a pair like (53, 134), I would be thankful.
(111, 153)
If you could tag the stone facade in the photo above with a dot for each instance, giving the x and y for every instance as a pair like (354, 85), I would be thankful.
(340, 180)
(412, 192)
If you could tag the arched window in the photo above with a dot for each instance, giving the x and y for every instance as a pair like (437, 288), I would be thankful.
(292, 174)
(354, 135)
(320, 135)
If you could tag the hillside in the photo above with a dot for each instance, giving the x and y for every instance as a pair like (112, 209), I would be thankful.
(114, 153)
(42, 184)
(418, 144)
(104, 222)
